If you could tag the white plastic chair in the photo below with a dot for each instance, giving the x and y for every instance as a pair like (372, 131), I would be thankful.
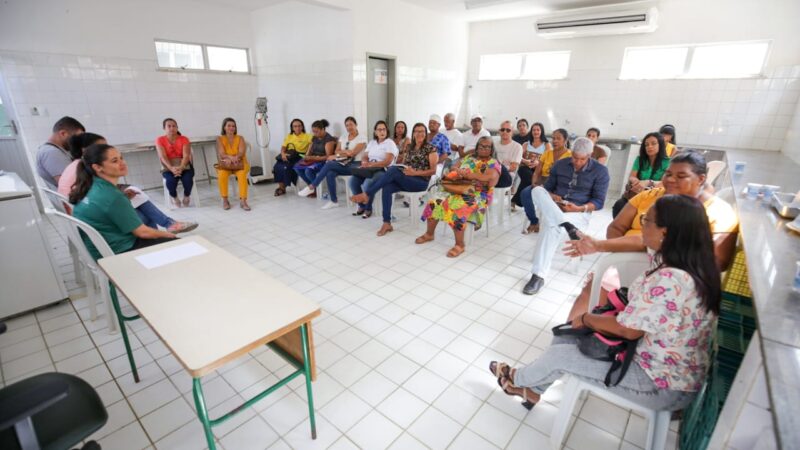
(715, 169)
(94, 278)
(61, 204)
(629, 265)
(193, 199)
(414, 198)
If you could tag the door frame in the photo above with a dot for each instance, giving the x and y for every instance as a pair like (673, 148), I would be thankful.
(11, 113)
(392, 88)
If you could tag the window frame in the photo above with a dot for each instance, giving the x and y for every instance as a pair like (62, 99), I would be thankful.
(523, 59)
(206, 66)
(687, 63)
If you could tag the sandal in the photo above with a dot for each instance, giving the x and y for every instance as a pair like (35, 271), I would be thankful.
(423, 239)
(367, 214)
(279, 191)
(226, 205)
(385, 228)
(455, 251)
(503, 374)
(359, 212)
(531, 229)
(243, 204)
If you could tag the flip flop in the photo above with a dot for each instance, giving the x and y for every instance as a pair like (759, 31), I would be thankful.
(455, 251)
(423, 239)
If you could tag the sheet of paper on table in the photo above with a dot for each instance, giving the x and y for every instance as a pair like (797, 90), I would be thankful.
(171, 255)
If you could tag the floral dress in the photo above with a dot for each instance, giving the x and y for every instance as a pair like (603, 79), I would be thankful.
(456, 210)
(674, 351)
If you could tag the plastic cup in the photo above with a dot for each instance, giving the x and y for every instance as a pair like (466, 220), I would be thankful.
(753, 189)
(738, 167)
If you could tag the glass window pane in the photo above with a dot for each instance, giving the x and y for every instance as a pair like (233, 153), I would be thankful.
(546, 66)
(728, 60)
(500, 67)
(228, 59)
(653, 63)
(179, 56)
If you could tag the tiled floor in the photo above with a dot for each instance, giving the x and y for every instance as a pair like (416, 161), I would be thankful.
(402, 346)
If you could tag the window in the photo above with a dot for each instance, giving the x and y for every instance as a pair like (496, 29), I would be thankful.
(227, 59)
(184, 56)
(524, 66)
(724, 60)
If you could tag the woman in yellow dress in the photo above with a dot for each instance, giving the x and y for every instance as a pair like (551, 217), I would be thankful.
(232, 152)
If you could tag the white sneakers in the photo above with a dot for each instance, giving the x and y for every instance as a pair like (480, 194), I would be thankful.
(330, 205)
(306, 192)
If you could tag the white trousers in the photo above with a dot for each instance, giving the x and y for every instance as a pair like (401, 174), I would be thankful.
(552, 236)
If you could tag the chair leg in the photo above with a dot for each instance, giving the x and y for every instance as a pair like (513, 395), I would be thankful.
(561, 423)
(105, 295)
(657, 430)
(123, 329)
(91, 293)
(77, 266)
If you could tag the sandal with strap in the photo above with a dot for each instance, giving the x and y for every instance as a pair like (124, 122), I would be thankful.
(503, 374)
(423, 239)
(367, 214)
(359, 212)
(279, 191)
(455, 251)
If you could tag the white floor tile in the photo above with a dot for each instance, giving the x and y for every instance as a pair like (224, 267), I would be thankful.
(402, 407)
(604, 415)
(254, 434)
(374, 431)
(345, 410)
(458, 404)
(373, 388)
(131, 437)
(472, 441)
(168, 418)
(494, 425)
(348, 370)
(527, 438)
(586, 435)
(425, 385)
(434, 429)
(299, 438)
(153, 397)
(398, 368)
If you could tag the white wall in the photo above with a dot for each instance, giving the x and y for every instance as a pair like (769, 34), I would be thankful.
(318, 70)
(95, 60)
(790, 145)
(732, 113)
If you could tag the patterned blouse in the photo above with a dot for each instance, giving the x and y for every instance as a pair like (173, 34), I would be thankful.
(417, 158)
(674, 351)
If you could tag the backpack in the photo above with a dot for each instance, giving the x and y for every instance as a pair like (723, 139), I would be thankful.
(616, 350)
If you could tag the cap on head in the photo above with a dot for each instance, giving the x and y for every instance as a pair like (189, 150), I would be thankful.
(476, 117)
(435, 118)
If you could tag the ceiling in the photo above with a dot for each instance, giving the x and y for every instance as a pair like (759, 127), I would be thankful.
(469, 10)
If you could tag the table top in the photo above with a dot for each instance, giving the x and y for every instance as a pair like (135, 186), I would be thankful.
(134, 147)
(12, 186)
(772, 251)
(209, 308)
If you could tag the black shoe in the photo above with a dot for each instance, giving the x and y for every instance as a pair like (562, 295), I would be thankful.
(533, 285)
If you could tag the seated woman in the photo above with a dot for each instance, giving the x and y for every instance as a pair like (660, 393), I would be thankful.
(599, 153)
(381, 153)
(400, 136)
(509, 154)
(559, 151)
(340, 163)
(232, 153)
(668, 132)
(175, 153)
(647, 171)
(671, 310)
(99, 203)
(531, 153)
(458, 209)
(322, 146)
(293, 150)
(685, 175)
(148, 213)
(417, 163)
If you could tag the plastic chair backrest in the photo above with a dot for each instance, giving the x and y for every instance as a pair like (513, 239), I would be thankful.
(715, 169)
(629, 265)
(58, 201)
(73, 227)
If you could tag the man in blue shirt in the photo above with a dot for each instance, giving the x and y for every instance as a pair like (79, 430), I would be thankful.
(576, 187)
(438, 139)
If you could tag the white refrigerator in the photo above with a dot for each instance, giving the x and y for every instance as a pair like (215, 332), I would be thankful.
(29, 274)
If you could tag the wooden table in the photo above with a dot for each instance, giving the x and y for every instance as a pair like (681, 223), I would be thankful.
(210, 308)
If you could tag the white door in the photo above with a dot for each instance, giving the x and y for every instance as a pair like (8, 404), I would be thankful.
(377, 92)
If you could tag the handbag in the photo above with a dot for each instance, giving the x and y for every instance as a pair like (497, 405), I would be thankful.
(458, 187)
(225, 164)
(595, 345)
(365, 172)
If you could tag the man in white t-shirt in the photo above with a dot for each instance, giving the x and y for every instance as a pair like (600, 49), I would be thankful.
(509, 153)
(453, 135)
(476, 132)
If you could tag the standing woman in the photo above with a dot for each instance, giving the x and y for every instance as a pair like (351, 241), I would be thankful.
(175, 153)
(380, 154)
(668, 132)
(418, 161)
(531, 153)
(293, 149)
(648, 169)
(322, 146)
(400, 137)
(99, 203)
(232, 159)
(340, 163)
(456, 210)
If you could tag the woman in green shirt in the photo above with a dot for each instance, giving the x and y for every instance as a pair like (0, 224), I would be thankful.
(99, 203)
(648, 169)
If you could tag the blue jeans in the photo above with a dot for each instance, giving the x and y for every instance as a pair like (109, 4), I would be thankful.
(329, 172)
(152, 216)
(186, 179)
(308, 173)
(356, 183)
(394, 180)
(527, 203)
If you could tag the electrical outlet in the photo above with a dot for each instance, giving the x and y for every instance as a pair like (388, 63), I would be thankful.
(35, 111)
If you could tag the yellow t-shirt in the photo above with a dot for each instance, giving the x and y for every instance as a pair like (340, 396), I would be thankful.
(547, 161)
(670, 149)
(299, 142)
(721, 215)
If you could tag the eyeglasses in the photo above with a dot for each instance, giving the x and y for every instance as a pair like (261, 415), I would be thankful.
(505, 130)
(485, 146)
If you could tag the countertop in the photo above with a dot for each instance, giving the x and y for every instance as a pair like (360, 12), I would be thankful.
(772, 251)
(150, 146)
(12, 186)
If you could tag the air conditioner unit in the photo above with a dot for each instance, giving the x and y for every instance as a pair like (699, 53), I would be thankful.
(626, 21)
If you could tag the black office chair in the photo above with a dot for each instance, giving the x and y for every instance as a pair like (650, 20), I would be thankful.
(51, 411)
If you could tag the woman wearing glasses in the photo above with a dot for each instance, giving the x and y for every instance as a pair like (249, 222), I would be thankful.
(483, 170)
(343, 159)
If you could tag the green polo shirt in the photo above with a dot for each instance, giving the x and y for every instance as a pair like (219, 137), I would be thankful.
(648, 173)
(109, 212)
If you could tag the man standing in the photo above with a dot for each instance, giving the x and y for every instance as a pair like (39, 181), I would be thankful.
(471, 137)
(453, 135)
(53, 157)
(438, 139)
(576, 187)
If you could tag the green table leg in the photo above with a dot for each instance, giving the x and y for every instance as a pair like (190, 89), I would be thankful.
(202, 412)
(122, 319)
(307, 370)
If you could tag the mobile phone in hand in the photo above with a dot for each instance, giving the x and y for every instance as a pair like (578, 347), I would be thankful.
(572, 230)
